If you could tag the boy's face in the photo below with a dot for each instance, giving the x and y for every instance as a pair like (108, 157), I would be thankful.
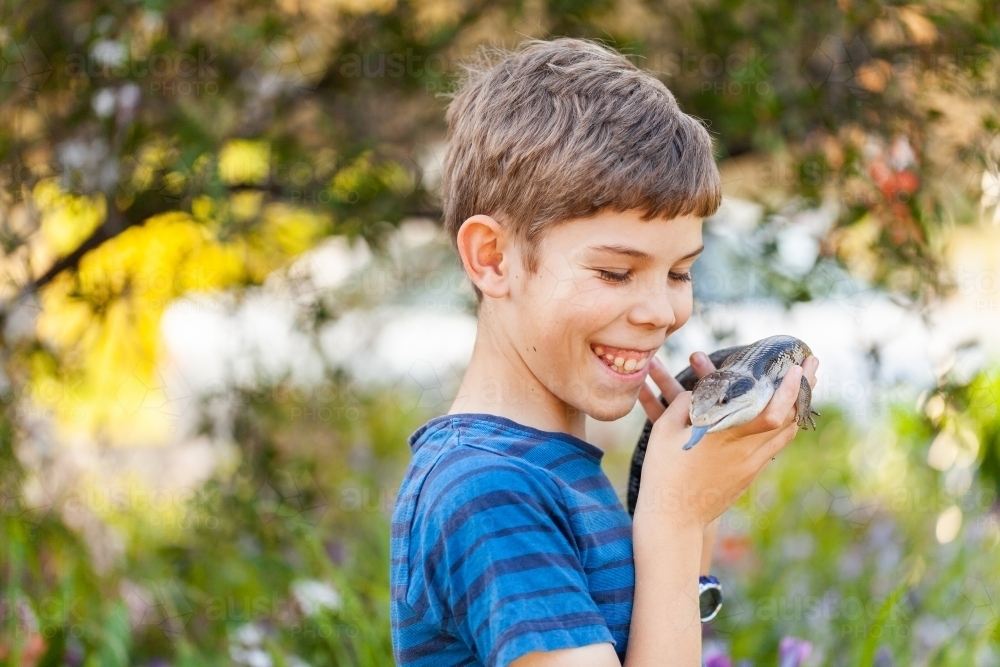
(607, 292)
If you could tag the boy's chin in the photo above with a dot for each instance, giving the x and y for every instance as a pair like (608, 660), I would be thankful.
(609, 411)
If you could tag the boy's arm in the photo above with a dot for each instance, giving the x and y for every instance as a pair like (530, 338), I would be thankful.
(707, 547)
(702, 365)
(665, 627)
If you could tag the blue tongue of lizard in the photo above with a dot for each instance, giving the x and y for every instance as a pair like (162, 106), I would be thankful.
(696, 434)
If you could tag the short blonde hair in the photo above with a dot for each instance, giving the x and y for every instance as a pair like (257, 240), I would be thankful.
(565, 129)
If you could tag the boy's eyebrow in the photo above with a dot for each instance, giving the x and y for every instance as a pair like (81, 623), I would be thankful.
(639, 254)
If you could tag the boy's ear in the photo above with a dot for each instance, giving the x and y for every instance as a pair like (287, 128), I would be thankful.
(483, 245)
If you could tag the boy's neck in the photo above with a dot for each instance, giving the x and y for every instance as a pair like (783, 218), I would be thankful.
(498, 382)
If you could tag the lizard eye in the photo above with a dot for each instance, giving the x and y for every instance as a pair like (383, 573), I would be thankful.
(725, 399)
(738, 388)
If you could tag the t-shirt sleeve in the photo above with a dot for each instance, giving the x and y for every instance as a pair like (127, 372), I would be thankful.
(496, 563)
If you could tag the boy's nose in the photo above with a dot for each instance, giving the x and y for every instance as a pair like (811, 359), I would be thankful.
(655, 311)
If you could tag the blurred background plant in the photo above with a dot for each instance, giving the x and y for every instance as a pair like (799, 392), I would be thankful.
(225, 303)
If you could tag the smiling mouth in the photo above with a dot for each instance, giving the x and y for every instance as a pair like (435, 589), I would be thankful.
(621, 360)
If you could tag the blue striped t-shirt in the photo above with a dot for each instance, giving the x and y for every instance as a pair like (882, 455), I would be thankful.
(506, 540)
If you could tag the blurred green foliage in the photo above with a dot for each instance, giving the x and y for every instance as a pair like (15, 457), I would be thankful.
(840, 542)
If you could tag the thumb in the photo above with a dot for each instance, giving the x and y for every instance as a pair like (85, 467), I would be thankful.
(674, 425)
(678, 411)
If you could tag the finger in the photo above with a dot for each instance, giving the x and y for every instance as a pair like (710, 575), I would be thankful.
(775, 414)
(650, 403)
(668, 385)
(673, 424)
(678, 412)
(809, 368)
(771, 448)
(701, 364)
(792, 385)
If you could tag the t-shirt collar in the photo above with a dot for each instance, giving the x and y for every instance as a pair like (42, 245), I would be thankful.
(592, 451)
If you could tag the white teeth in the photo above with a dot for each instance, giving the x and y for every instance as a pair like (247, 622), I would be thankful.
(621, 364)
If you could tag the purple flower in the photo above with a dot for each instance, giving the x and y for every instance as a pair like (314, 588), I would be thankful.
(793, 651)
(718, 660)
(715, 655)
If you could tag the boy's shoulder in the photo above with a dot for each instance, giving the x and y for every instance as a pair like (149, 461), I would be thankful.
(456, 457)
(468, 451)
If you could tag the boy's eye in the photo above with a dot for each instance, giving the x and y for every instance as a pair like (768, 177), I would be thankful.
(613, 277)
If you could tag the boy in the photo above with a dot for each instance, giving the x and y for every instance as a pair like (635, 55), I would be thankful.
(574, 188)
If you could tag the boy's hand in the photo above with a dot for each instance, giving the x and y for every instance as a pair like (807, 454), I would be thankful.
(702, 366)
(686, 490)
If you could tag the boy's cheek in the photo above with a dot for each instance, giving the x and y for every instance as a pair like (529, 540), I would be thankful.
(558, 286)
(682, 313)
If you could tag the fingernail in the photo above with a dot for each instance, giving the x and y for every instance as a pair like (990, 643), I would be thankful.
(700, 358)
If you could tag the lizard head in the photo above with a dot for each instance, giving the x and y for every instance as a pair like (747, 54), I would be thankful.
(719, 401)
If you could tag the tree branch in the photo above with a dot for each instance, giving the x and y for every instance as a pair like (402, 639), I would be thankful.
(114, 224)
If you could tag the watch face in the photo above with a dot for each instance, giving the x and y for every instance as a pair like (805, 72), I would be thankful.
(710, 602)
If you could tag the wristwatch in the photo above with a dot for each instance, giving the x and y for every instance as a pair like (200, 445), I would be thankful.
(709, 597)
